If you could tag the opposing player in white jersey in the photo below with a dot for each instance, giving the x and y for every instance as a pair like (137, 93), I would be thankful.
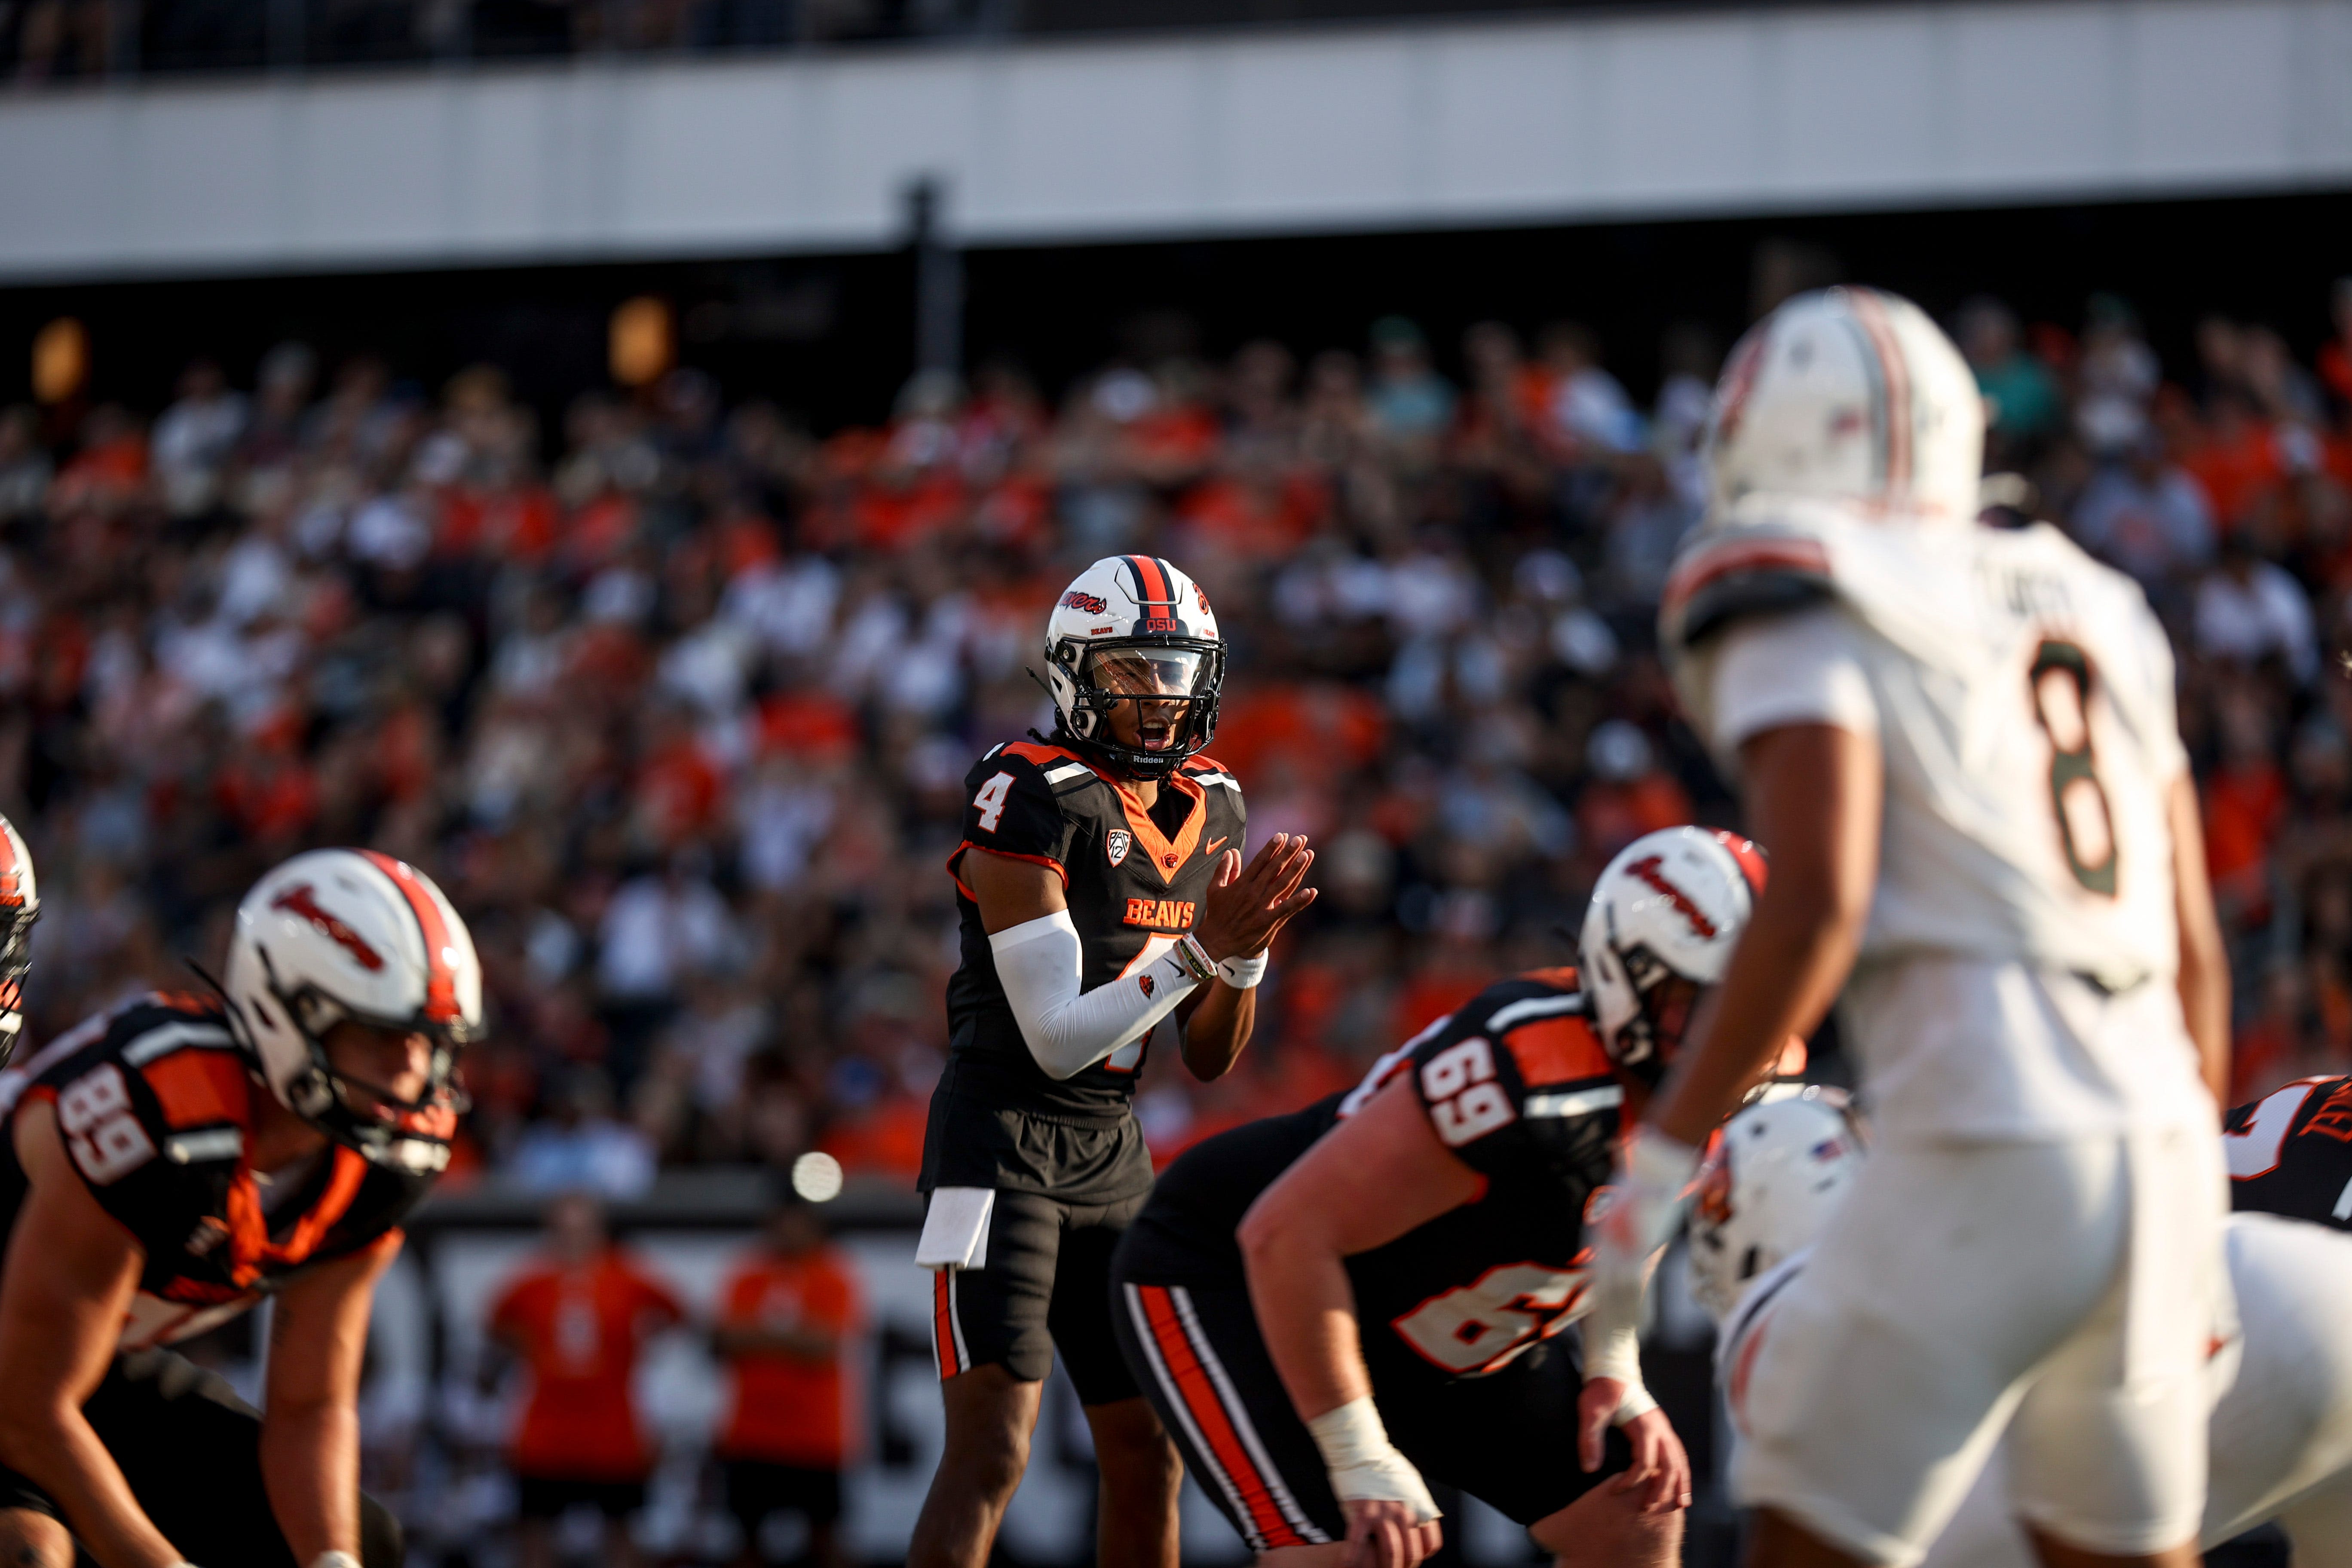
(1959, 742)
(2280, 1430)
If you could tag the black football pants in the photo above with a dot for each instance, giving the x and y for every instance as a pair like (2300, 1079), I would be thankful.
(191, 1450)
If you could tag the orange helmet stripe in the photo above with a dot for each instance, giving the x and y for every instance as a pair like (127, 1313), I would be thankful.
(440, 980)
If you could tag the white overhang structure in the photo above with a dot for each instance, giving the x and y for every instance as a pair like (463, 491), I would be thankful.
(1370, 128)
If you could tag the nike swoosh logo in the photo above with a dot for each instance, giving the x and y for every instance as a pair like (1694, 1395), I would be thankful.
(1216, 845)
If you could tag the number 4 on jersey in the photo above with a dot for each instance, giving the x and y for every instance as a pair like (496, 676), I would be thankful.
(989, 800)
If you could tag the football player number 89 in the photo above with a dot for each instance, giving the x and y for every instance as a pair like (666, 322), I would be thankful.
(2061, 682)
(104, 1135)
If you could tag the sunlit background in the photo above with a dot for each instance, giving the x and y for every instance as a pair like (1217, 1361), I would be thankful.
(617, 455)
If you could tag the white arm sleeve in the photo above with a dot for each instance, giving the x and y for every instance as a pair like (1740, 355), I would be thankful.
(1040, 961)
(1804, 667)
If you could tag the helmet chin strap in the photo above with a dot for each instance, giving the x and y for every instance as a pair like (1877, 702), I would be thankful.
(322, 1088)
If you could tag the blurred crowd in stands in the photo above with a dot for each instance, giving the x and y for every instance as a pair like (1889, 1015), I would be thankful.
(46, 41)
(63, 41)
(675, 699)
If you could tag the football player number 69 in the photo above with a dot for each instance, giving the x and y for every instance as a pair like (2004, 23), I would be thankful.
(1474, 1328)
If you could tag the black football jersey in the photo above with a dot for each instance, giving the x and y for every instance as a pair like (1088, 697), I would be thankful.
(1517, 1085)
(1133, 886)
(154, 1104)
(2290, 1153)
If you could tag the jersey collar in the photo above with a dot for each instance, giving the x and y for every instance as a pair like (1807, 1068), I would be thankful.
(1167, 855)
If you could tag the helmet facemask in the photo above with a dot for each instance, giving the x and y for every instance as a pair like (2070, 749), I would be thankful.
(1643, 1045)
(1173, 681)
(15, 963)
(409, 1136)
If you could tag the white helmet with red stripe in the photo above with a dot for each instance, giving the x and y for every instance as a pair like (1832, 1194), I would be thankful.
(337, 934)
(1664, 918)
(20, 906)
(1133, 626)
(1849, 394)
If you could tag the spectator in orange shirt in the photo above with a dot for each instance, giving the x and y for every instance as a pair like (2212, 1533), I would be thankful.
(578, 1319)
(786, 1320)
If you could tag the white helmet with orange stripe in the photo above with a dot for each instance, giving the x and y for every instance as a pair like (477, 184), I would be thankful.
(20, 906)
(351, 935)
(1134, 628)
(1849, 394)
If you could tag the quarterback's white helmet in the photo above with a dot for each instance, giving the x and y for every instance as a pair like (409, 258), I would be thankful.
(1767, 1186)
(20, 906)
(351, 933)
(1849, 394)
(1129, 627)
(1668, 908)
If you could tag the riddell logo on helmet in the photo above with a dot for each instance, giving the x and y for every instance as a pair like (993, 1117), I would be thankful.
(297, 899)
(1074, 600)
(1647, 869)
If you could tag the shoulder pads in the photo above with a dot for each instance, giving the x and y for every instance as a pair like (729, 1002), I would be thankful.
(1062, 769)
(1743, 573)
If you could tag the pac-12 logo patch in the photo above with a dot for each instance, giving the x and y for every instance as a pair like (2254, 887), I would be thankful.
(1116, 843)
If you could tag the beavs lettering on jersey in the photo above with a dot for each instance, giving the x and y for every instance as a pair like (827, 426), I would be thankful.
(1648, 869)
(1161, 914)
(299, 900)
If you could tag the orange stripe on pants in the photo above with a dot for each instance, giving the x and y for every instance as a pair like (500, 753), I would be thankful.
(943, 1326)
(1216, 1427)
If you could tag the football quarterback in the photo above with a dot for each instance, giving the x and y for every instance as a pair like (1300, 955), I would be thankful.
(1105, 907)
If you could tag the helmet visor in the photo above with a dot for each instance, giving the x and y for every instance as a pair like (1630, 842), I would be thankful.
(1146, 671)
